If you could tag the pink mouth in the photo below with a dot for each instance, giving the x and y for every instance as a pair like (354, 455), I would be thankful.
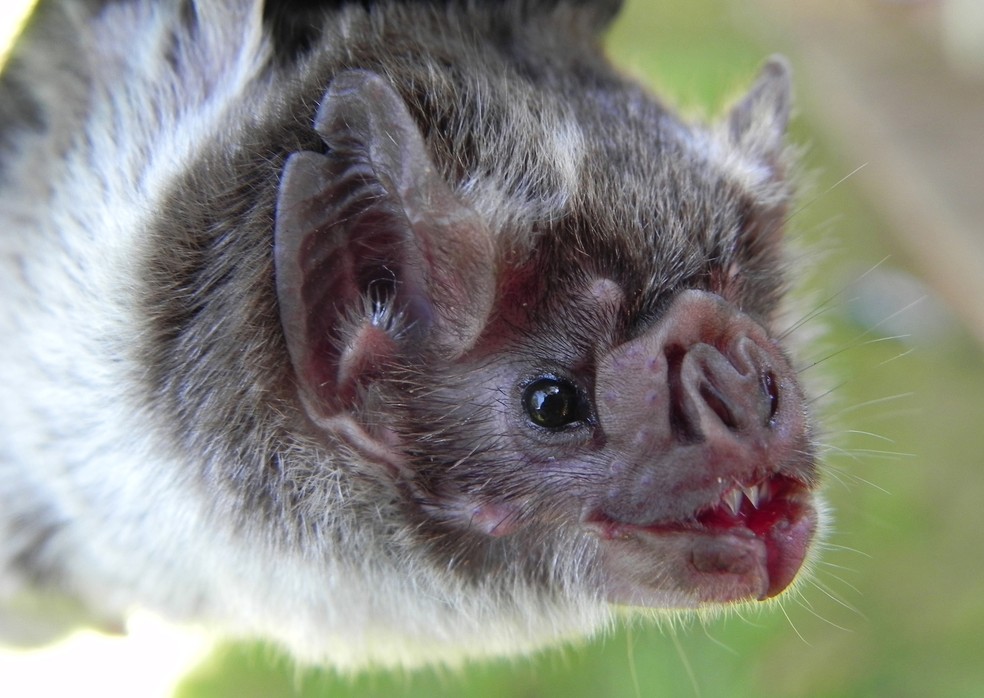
(749, 544)
(779, 513)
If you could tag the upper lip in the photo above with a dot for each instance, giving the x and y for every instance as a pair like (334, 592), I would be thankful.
(756, 505)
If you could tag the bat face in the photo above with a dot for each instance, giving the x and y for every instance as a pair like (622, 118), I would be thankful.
(584, 393)
(392, 334)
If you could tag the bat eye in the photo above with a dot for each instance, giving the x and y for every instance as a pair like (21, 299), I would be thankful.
(552, 403)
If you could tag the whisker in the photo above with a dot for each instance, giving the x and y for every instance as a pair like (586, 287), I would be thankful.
(809, 608)
(727, 648)
(841, 579)
(872, 434)
(875, 401)
(854, 344)
(896, 357)
(793, 626)
(882, 453)
(687, 666)
(814, 199)
(819, 310)
(862, 481)
(825, 394)
(825, 304)
(836, 566)
(826, 545)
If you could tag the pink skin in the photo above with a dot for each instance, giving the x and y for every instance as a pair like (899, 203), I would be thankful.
(709, 494)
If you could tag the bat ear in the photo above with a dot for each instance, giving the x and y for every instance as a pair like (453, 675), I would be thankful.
(757, 124)
(375, 257)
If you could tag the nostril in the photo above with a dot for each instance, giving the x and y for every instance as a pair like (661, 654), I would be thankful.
(683, 419)
(710, 388)
(719, 404)
(770, 386)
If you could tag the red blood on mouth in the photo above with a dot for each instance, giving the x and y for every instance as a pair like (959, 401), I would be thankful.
(783, 521)
(739, 547)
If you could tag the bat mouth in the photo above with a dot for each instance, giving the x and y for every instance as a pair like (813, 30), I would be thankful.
(757, 507)
(778, 512)
(749, 543)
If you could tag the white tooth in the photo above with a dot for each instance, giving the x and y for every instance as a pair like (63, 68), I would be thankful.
(732, 498)
(753, 494)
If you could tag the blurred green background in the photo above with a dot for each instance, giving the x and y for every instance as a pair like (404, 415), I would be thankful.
(897, 605)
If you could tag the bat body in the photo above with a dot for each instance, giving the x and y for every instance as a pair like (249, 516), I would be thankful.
(393, 332)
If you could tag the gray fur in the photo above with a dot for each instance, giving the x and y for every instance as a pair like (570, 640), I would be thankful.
(156, 453)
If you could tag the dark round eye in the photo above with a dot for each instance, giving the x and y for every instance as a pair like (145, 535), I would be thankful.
(552, 403)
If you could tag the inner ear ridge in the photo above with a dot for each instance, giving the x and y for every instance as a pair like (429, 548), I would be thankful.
(373, 213)
(364, 117)
(333, 245)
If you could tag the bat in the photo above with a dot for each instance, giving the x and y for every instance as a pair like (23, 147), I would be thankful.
(390, 332)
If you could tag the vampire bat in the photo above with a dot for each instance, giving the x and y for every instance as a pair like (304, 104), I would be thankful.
(392, 332)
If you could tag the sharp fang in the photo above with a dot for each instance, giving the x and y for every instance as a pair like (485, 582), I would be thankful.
(732, 499)
(754, 494)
